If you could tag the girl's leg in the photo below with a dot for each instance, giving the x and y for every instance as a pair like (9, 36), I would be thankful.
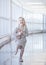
(21, 54)
(17, 49)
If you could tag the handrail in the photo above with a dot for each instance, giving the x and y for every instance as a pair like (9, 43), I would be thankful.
(4, 18)
(7, 39)
(38, 32)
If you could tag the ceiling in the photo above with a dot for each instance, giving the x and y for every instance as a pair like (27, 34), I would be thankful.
(33, 1)
(35, 6)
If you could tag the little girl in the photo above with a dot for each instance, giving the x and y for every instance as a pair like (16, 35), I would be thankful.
(21, 33)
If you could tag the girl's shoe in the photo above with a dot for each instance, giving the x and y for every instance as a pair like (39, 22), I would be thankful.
(21, 60)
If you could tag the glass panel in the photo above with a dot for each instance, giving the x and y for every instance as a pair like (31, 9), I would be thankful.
(5, 8)
(16, 11)
(37, 42)
(14, 25)
(4, 27)
(36, 27)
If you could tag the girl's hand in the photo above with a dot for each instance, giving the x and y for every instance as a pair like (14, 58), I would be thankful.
(18, 36)
(21, 32)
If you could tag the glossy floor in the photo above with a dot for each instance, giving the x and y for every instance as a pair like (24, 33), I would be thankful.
(32, 55)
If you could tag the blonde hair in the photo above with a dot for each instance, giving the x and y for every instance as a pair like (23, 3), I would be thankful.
(23, 20)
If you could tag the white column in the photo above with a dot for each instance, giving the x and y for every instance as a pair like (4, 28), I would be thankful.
(44, 35)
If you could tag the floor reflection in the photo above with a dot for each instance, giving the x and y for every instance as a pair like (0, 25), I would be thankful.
(20, 63)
